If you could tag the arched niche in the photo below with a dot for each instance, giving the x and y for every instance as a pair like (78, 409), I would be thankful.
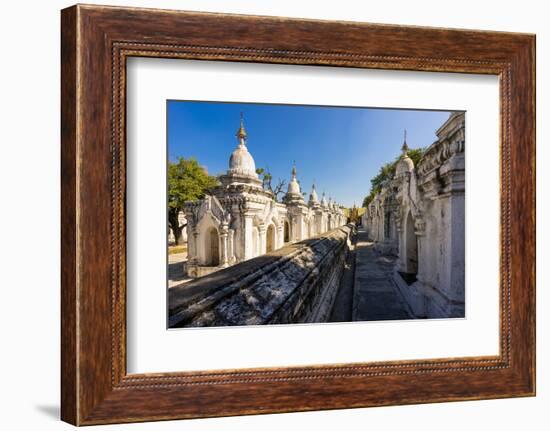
(411, 246)
(286, 231)
(212, 247)
(271, 238)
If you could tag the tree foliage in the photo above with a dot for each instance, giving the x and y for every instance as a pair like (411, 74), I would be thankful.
(387, 172)
(368, 199)
(267, 179)
(187, 181)
(415, 155)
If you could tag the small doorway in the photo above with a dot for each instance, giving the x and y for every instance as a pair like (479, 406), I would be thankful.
(212, 247)
(287, 232)
(411, 245)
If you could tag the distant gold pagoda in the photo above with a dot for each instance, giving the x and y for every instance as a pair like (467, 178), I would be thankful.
(354, 214)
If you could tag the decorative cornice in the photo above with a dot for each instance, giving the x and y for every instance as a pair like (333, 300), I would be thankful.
(446, 147)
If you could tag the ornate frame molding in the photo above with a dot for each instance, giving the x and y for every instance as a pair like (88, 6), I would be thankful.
(96, 41)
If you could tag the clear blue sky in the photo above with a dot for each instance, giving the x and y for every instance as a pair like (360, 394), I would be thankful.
(340, 148)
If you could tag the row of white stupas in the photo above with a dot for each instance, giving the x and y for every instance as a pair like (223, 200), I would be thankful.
(240, 220)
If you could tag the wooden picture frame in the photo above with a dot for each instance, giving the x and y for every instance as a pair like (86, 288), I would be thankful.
(95, 43)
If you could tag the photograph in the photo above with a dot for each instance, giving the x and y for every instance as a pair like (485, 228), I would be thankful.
(302, 214)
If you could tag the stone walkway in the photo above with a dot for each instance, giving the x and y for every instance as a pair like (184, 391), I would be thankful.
(375, 297)
(175, 269)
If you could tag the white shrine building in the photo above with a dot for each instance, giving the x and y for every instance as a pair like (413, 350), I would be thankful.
(419, 217)
(240, 220)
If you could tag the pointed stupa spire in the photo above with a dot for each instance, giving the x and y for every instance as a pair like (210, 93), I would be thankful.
(241, 133)
(313, 199)
(324, 199)
(405, 147)
(405, 164)
(241, 161)
(293, 185)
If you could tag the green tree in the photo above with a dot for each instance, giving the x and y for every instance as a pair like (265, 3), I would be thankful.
(187, 181)
(368, 199)
(266, 177)
(415, 155)
(387, 172)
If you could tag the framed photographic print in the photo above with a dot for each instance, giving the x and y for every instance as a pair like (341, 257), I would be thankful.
(265, 214)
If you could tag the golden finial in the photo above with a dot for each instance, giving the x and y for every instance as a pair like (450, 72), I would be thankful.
(241, 133)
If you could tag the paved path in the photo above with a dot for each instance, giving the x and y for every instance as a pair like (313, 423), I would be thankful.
(175, 269)
(375, 297)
